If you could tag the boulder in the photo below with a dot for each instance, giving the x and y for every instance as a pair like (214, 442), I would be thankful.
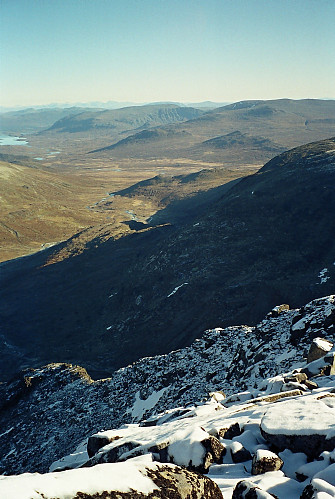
(230, 432)
(322, 366)
(248, 490)
(195, 452)
(264, 461)
(96, 442)
(276, 311)
(239, 454)
(319, 347)
(300, 425)
(111, 454)
(298, 377)
(129, 480)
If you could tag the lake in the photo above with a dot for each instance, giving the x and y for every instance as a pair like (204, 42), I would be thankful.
(8, 140)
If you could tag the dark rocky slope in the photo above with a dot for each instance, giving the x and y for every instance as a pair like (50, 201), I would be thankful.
(46, 413)
(269, 239)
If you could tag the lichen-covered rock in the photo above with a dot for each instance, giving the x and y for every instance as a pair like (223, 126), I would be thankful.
(264, 461)
(279, 309)
(129, 480)
(232, 431)
(248, 490)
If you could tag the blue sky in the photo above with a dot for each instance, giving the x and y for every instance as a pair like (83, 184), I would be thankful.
(176, 50)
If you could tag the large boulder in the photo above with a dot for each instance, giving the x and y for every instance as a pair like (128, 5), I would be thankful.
(97, 441)
(196, 450)
(301, 425)
(319, 347)
(130, 480)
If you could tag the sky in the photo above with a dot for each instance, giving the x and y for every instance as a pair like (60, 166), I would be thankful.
(69, 51)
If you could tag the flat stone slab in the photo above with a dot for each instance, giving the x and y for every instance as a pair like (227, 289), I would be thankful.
(301, 425)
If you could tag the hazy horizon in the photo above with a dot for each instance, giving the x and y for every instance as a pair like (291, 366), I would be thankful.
(73, 51)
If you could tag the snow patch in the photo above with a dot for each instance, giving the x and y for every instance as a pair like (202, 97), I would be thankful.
(176, 289)
(140, 406)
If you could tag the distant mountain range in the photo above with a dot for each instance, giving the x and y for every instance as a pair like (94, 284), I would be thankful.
(263, 240)
(245, 132)
(32, 120)
(120, 120)
(36, 118)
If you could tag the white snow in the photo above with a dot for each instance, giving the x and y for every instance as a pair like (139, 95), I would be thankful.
(74, 460)
(300, 416)
(187, 447)
(6, 432)
(265, 454)
(176, 289)
(322, 276)
(292, 462)
(141, 406)
(323, 344)
(121, 477)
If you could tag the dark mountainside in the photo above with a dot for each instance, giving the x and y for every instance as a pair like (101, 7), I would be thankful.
(268, 240)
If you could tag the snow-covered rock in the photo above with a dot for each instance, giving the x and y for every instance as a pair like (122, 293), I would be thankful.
(265, 460)
(133, 479)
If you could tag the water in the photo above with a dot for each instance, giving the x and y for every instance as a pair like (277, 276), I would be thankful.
(7, 140)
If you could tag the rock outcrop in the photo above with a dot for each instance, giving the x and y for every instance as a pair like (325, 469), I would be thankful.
(69, 405)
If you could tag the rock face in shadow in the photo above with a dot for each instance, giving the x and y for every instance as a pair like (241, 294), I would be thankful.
(154, 291)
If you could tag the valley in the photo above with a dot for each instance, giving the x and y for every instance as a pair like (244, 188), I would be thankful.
(167, 232)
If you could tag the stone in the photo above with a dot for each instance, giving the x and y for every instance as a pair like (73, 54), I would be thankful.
(319, 347)
(179, 483)
(213, 451)
(168, 482)
(301, 426)
(239, 454)
(230, 432)
(296, 378)
(96, 442)
(276, 311)
(215, 447)
(323, 366)
(311, 385)
(264, 461)
(248, 490)
(112, 455)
